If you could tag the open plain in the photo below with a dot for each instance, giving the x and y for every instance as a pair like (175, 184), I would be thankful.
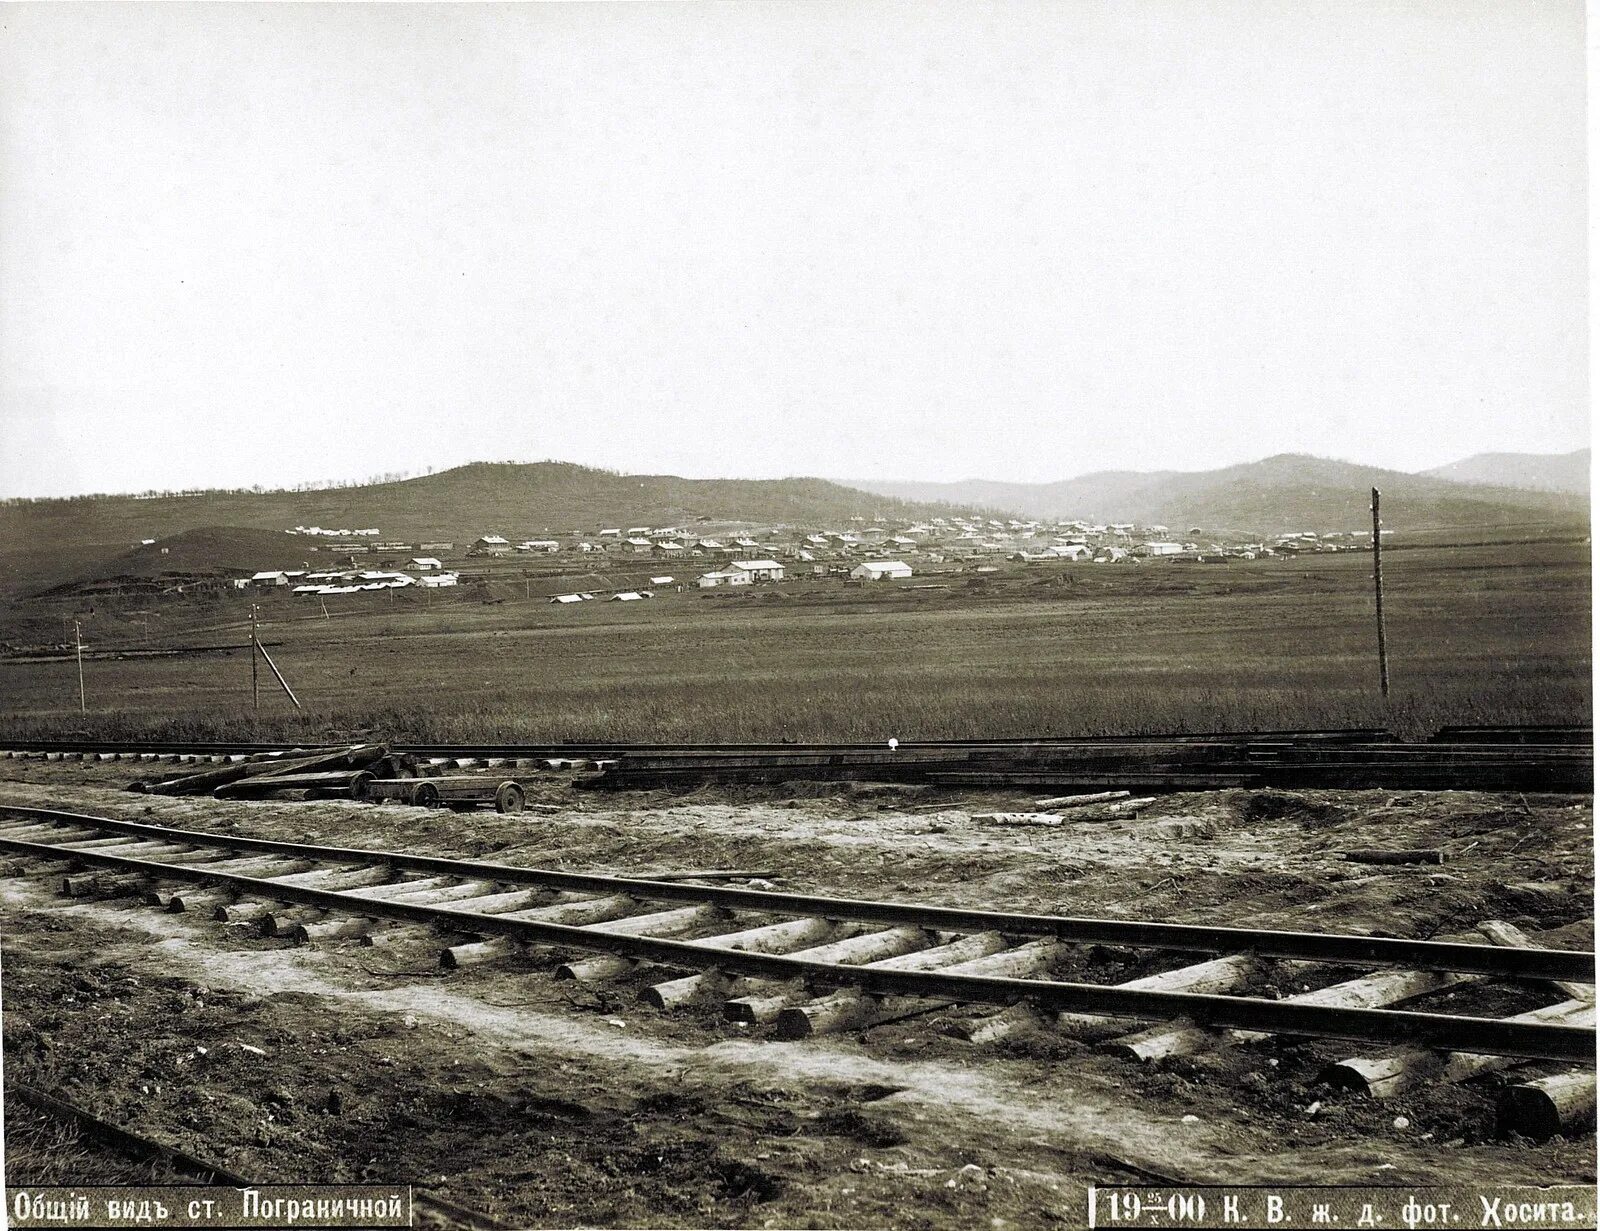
(1493, 633)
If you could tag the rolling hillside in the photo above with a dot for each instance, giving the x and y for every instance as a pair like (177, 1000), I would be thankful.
(1539, 472)
(461, 504)
(1291, 491)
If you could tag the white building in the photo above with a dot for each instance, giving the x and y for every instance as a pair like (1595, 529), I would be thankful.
(881, 570)
(723, 577)
(1163, 549)
(759, 570)
(434, 581)
(424, 564)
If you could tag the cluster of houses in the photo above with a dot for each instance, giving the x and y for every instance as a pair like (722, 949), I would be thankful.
(862, 552)
(345, 581)
(886, 548)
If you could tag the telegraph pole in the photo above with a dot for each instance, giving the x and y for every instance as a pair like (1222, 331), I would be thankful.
(1377, 587)
(77, 634)
(255, 681)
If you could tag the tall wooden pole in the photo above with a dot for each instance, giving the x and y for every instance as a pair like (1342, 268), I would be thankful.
(83, 701)
(279, 674)
(1377, 587)
(255, 671)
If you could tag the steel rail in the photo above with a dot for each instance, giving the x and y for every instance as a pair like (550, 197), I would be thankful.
(567, 748)
(1341, 949)
(1530, 1040)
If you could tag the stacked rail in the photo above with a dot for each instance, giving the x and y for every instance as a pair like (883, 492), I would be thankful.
(1169, 764)
(814, 965)
(1543, 759)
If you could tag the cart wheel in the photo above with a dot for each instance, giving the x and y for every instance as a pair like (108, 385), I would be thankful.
(508, 797)
(425, 795)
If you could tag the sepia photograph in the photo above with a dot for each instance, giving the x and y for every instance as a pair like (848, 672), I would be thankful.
(826, 614)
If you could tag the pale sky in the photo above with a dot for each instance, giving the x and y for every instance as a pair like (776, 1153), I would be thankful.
(264, 244)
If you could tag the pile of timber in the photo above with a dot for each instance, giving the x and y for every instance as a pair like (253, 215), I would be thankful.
(1160, 763)
(337, 773)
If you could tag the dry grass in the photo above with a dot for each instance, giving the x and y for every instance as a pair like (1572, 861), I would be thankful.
(1474, 638)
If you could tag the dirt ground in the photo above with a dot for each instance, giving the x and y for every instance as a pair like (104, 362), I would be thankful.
(547, 1104)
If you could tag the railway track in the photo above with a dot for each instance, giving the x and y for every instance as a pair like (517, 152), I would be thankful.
(808, 965)
(1543, 759)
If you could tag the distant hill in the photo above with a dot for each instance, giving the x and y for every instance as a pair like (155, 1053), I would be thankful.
(460, 504)
(213, 549)
(1539, 472)
(1291, 491)
(219, 551)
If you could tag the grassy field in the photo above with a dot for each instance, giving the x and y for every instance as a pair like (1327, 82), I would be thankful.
(1487, 634)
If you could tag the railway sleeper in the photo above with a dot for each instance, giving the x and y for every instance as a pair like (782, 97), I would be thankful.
(666, 923)
(850, 1007)
(1184, 1038)
(763, 1005)
(1404, 1068)
(1560, 1104)
(787, 937)
(102, 885)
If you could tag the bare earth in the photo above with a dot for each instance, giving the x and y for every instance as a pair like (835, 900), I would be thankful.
(550, 1104)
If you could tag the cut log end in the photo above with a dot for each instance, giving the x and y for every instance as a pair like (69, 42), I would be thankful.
(1549, 1107)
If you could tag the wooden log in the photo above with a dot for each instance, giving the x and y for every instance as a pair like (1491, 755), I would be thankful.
(476, 953)
(401, 888)
(790, 936)
(580, 912)
(337, 879)
(95, 844)
(28, 865)
(1551, 1106)
(1184, 1038)
(1404, 1068)
(458, 893)
(1078, 801)
(1218, 976)
(991, 1027)
(855, 950)
(850, 1008)
(357, 782)
(673, 922)
(333, 929)
(596, 969)
(197, 900)
(36, 831)
(505, 903)
(259, 866)
(1367, 856)
(355, 756)
(662, 923)
(101, 884)
(840, 1010)
(1510, 936)
(575, 913)
(288, 922)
